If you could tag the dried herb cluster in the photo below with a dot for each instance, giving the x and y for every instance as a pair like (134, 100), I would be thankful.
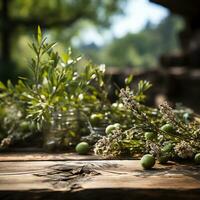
(164, 132)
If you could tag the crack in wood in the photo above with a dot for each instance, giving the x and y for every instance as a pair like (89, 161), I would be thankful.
(68, 177)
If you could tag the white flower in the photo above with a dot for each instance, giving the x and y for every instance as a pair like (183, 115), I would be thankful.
(102, 68)
(184, 150)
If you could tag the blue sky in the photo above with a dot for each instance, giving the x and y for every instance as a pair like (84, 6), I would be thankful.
(137, 14)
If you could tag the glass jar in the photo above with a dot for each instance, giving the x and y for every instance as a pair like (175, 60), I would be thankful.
(63, 131)
(96, 132)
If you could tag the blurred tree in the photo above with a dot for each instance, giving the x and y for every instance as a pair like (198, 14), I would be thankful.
(140, 50)
(15, 15)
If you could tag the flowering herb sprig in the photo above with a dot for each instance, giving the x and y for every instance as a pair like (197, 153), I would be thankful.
(173, 135)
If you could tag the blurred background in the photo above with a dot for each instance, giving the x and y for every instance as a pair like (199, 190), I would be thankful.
(157, 40)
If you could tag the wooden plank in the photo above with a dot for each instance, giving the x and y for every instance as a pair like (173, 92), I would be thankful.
(97, 179)
(42, 156)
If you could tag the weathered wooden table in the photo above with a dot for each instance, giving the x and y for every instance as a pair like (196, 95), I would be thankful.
(69, 176)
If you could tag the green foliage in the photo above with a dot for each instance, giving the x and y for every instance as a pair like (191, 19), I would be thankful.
(58, 86)
(13, 115)
(66, 10)
(143, 86)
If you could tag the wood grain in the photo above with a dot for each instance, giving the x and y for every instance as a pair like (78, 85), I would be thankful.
(97, 179)
(41, 156)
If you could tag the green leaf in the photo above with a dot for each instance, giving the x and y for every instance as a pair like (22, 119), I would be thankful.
(49, 47)
(32, 46)
(39, 35)
(10, 85)
(2, 86)
(65, 57)
(129, 79)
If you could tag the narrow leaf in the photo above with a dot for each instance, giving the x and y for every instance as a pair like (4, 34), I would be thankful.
(39, 35)
(2, 86)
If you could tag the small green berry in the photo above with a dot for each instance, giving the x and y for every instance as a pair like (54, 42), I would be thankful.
(163, 159)
(117, 125)
(149, 136)
(95, 118)
(168, 128)
(114, 105)
(24, 126)
(121, 106)
(197, 158)
(167, 148)
(110, 128)
(147, 161)
(82, 148)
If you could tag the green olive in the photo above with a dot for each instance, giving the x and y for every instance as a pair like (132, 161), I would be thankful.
(149, 136)
(197, 158)
(163, 159)
(114, 105)
(110, 128)
(25, 126)
(82, 148)
(147, 161)
(167, 148)
(96, 117)
(121, 106)
(168, 128)
(117, 125)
